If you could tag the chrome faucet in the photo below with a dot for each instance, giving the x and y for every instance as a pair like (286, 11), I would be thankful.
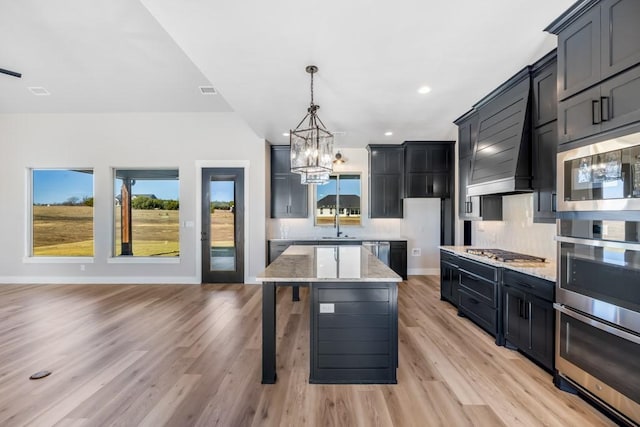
(336, 224)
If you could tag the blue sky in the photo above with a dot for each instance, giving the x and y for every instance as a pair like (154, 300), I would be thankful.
(58, 185)
(221, 191)
(347, 186)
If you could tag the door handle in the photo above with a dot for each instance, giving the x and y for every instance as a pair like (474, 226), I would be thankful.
(595, 112)
(604, 108)
(203, 236)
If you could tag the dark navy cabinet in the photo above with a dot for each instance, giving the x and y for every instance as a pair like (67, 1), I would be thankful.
(598, 77)
(354, 333)
(545, 138)
(428, 167)
(289, 198)
(449, 277)
(386, 180)
(529, 320)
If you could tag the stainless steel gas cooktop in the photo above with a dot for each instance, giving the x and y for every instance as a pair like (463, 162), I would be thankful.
(504, 256)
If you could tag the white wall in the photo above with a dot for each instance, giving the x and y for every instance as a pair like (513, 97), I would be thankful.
(420, 225)
(188, 141)
(516, 232)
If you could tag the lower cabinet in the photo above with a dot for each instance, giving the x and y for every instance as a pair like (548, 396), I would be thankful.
(354, 333)
(398, 258)
(449, 277)
(478, 296)
(528, 316)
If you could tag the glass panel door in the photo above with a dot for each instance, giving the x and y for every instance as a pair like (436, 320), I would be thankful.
(223, 225)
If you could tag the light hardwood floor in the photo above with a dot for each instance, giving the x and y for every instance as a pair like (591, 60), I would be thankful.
(186, 355)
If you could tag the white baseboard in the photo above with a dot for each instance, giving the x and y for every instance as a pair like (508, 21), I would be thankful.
(423, 272)
(99, 280)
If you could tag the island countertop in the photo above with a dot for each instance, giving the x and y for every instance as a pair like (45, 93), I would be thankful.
(344, 263)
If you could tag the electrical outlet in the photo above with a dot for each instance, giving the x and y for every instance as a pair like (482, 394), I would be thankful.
(416, 251)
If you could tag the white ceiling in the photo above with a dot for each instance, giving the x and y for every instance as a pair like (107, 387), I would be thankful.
(151, 55)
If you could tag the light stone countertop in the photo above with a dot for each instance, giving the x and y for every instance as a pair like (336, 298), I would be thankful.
(339, 239)
(545, 270)
(345, 263)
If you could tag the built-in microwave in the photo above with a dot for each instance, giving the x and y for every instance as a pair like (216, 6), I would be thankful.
(603, 176)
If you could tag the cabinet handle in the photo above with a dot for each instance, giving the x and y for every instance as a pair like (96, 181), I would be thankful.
(468, 207)
(473, 301)
(595, 112)
(554, 201)
(530, 327)
(520, 307)
(604, 108)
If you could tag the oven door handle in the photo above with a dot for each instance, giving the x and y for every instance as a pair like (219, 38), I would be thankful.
(596, 324)
(599, 243)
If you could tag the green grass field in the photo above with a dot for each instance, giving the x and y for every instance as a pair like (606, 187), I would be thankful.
(68, 231)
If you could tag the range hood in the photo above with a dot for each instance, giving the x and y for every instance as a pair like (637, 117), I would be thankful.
(502, 154)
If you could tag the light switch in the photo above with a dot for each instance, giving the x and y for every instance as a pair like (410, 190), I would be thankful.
(327, 308)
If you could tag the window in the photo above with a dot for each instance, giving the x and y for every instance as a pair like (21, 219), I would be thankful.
(340, 195)
(146, 212)
(62, 212)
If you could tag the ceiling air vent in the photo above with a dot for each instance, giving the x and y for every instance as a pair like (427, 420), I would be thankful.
(39, 91)
(207, 90)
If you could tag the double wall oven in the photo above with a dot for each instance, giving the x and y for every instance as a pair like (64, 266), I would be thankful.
(598, 285)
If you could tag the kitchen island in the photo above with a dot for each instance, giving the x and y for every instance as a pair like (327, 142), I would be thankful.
(353, 301)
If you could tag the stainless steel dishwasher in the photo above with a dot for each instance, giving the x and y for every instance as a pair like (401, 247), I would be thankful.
(380, 249)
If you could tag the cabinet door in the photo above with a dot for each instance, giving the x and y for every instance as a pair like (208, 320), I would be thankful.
(445, 281)
(398, 258)
(545, 148)
(579, 116)
(299, 200)
(280, 196)
(513, 309)
(620, 35)
(541, 329)
(428, 185)
(620, 99)
(387, 160)
(579, 54)
(545, 95)
(467, 135)
(468, 207)
(280, 159)
(385, 196)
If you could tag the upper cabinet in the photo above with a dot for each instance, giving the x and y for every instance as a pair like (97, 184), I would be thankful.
(598, 78)
(289, 198)
(386, 180)
(428, 167)
(545, 138)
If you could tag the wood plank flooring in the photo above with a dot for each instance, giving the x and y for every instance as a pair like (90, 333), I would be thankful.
(153, 355)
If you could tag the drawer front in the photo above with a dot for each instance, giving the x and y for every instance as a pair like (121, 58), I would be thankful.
(533, 285)
(479, 312)
(480, 288)
(448, 257)
(483, 270)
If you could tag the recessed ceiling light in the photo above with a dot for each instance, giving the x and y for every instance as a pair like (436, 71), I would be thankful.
(39, 91)
(285, 134)
(388, 133)
(424, 89)
(207, 90)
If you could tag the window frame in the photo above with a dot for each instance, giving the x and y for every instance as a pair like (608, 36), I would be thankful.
(140, 259)
(315, 199)
(29, 256)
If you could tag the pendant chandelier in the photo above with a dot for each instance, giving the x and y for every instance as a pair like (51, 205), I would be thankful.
(311, 144)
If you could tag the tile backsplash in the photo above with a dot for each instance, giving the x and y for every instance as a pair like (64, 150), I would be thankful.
(517, 232)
